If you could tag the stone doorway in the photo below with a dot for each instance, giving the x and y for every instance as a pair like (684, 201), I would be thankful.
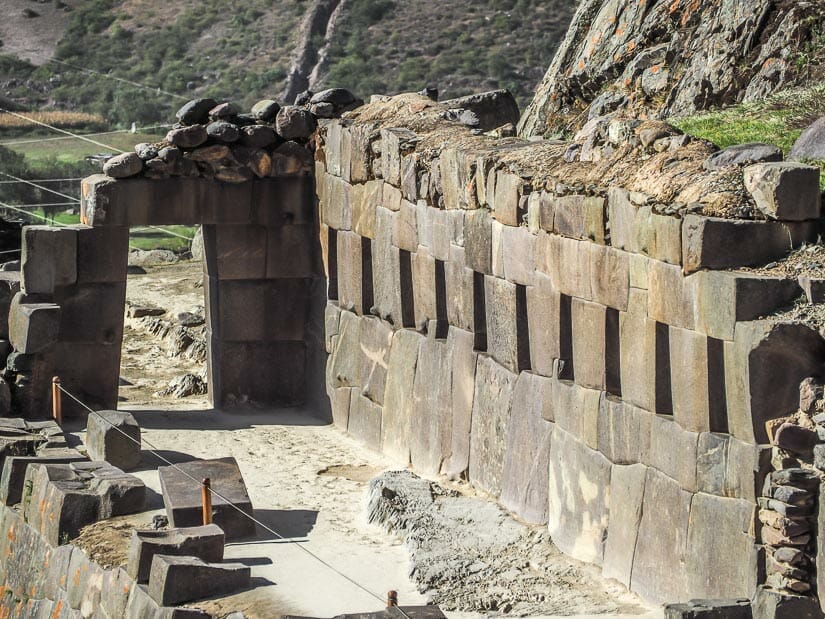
(264, 290)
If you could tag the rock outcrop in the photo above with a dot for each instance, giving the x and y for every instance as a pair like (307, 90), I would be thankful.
(665, 57)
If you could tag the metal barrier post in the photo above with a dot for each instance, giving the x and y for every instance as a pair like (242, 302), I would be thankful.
(57, 401)
(392, 599)
(206, 501)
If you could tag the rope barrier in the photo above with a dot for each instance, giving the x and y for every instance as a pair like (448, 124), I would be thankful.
(30, 214)
(27, 182)
(201, 484)
(39, 204)
(118, 79)
(44, 180)
(53, 128)
(72, 137)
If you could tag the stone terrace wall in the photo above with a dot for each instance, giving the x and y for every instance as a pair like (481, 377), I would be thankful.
(560, 334)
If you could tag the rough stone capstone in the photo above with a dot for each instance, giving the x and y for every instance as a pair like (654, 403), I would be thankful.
(294, 123)
(204, 542)
(195, 111)
(188, 137)
(114, 436)
(266, 110)
(785, 191)
(175, 580)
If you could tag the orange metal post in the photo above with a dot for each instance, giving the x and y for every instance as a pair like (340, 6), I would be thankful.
(392, 599)
(57, 401)
(206, 501)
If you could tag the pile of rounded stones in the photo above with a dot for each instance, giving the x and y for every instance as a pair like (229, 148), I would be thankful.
(216, 140)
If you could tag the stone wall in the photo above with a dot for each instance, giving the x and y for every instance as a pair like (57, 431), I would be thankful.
(575, 339)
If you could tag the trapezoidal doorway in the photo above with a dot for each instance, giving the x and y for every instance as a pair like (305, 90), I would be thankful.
(263, 279)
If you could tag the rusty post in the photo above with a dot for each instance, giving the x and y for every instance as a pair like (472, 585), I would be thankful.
(57, 401)
(206, 501)
(392, 599)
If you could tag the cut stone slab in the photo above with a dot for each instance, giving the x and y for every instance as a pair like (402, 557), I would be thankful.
(182, 496)
(785, 191)
(205, 543)
(49, 258)
(14, 471)
(114, 436)
(33, 327)
(710, 609)
(175, 580)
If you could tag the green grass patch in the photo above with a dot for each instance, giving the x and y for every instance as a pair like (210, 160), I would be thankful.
(777, 120)
(147, 238)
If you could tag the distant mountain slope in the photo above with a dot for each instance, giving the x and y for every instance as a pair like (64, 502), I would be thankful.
(247, 50)
(660, 58)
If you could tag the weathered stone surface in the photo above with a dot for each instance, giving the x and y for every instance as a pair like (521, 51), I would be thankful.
(491, 414)
(713, 243)
(576, 410)
(609, 276)
(182, 497)
(345, 362)
(478, 241)
(102, 253)
(460, 290)
(568, 262)
(517, 246)
(398, 405)
(350, 273)
(507, 334)
(430, 427)
(543, 320)
(785, 191)
(743, 155)
(578, 217)
(405, 227)
(364, 420)
(627, 489)
(294, 123)
(725, 298)
(624, 431)
(664, 502)
(49, 258)
(123, 166)
(493, 108)
(689, 379)
(671, 296)
(204, 542)
(386, 271)
(509, 189)
(14, 471)
(763, 368)
(463, 371)
(195, 111)
(336, 205)
(637, 346)
(187, 137)
(363, 204)
(175, 580)
(795, 439)
(579, 498)
(526, 458)
(589, 344)
(673, 451)
(424, 288)
(114, 436)
(772, 604)
(33, 327)
(710, 609)
(396, 142)
(376, 338)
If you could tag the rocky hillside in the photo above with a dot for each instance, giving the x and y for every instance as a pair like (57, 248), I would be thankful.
(267, 48)
(666, 58)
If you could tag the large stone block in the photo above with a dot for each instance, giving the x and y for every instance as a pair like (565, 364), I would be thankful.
(517, 244)
(376, 338)
(507, 329)
(364, 202)
(33, 327)
(457, 169)
(424, 288)
(9, 287)
(478, 241)
(624, 431)
(431, 424)
(716, 523)
(459, 290)
(361, 137)
(15, 467)
(609, 276)
(175, 580)
(102, 253)
(439, 226)
(114, 436)
(671, 296)
(575, 409)
(568, 263)
(579, 217)
(662, 540)
(235, 252)
(659, 236)
(49, 258)
(713, 243)
(405, 227)
(204, 542)
(345, 369)
(107, 300)
(340, 404)
(182, 496)
(526, 460)
(463, 370)
(725, 298)
(772, 604)
(332, 320)
(544, 323)
(509, 188)
(386, 269)
(627, 489)
(748, 465)
(396, 142)
(710, 609)
(637, 346)
(763, 368)
(491, 415)
(673, 451)
(589, 344)
(350, 273)
(493, 108)
(364, 421)
(712, 463)
(784, 190)
(336, 209)
(689, 379)
(579, 498)
(398, 405)
(259, 310)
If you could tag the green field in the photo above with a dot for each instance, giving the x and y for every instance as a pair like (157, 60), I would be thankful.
(49, 158)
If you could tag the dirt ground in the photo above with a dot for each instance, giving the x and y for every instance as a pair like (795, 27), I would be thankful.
(307, 481)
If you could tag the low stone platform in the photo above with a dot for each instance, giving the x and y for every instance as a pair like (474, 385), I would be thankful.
(205, 543)
(182, 496)
(60, 499)
(175, 580)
